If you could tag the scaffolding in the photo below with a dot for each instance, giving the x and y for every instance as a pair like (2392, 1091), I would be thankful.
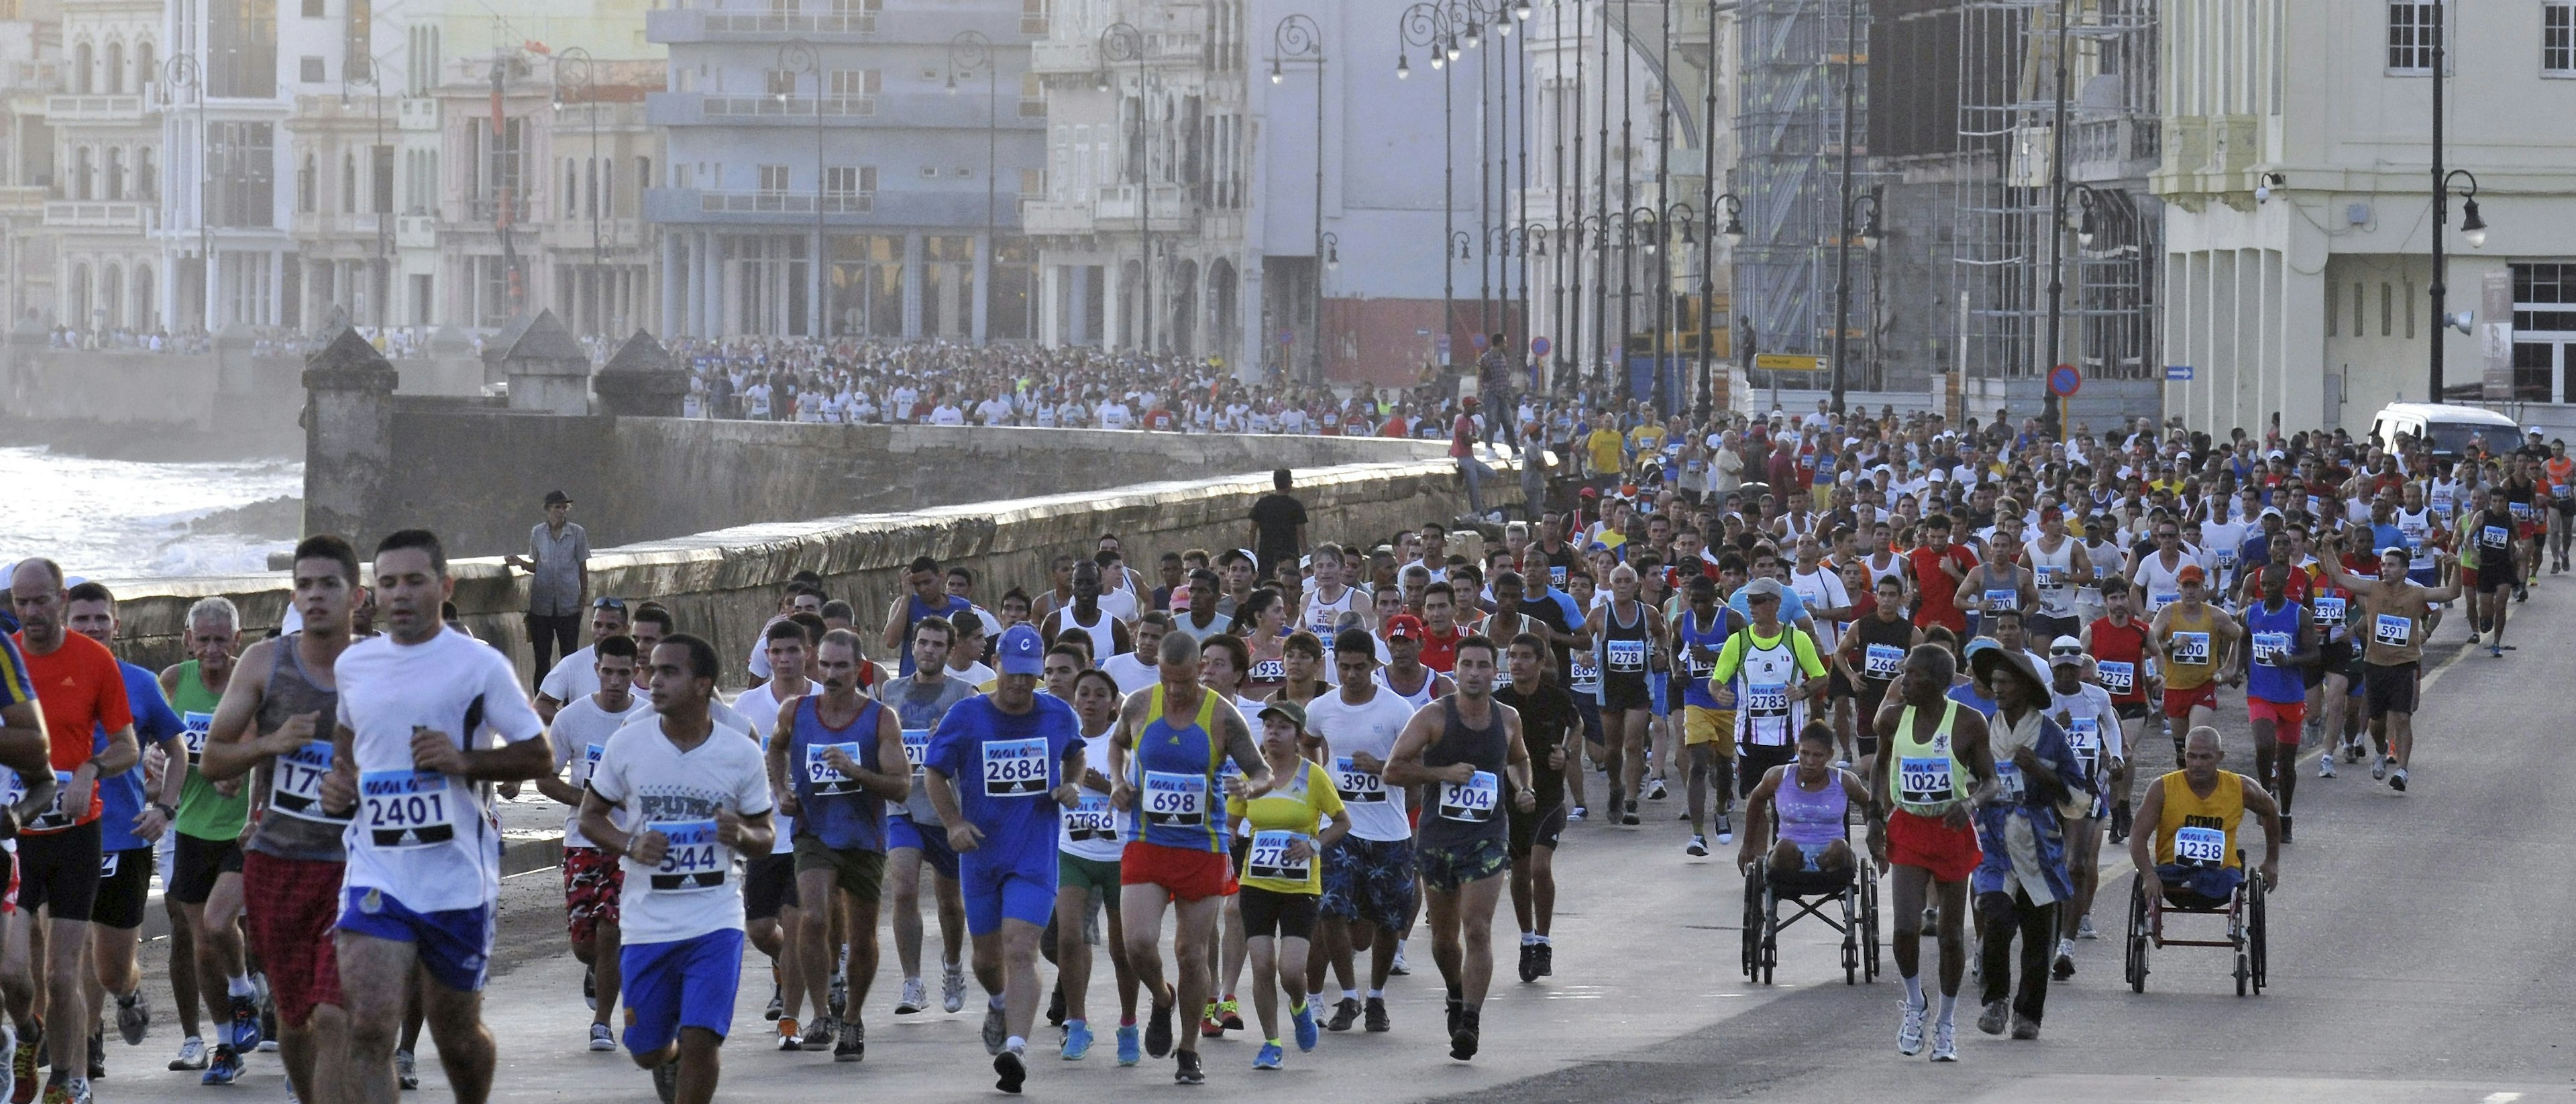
(1792, 60)
(2001, 204)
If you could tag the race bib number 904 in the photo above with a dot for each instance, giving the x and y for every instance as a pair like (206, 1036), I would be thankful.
(1471, 801)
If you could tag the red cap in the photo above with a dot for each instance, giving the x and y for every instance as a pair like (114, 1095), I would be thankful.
(1404, 626)
(1589, 492)
(2191, 573)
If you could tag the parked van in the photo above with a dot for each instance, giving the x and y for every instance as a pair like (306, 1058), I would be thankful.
(2447, 428)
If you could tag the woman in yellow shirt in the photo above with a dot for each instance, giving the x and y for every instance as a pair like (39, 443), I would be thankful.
(1283, 874)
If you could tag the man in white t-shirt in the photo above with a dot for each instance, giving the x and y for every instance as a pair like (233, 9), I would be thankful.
(1368, 874)
(572, 677)
(425, 717)
(579, 732)
(696, 800)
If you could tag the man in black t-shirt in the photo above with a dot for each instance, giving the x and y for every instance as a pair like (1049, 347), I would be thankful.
(1278, 527)
(1553, 732)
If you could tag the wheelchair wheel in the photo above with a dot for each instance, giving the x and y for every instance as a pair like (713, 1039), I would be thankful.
(2258, 934)
(1770, 949)
(2136, 958)
(1869, 922)
(1752, 926)
(1851, 934)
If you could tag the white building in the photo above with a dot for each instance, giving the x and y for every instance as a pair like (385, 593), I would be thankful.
(2309, 302)
(107, 134)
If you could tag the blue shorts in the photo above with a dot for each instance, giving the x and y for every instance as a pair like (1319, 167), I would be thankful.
(2214, 884)
(933, 844)
(998, 889)
(1656, 684)
(682, 983)
(1590, 706)
(454, 945)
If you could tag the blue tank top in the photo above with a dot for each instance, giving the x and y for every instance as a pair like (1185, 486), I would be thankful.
(2272, 633)
(1695, 637)
(1175, 775)
(913, 613)
(837, 811)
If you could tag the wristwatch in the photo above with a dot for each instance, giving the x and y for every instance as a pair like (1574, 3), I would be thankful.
(167, 812)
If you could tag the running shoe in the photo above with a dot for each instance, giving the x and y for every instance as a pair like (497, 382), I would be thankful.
(822, 1033)
(406, 1071)
(1077, 1040)
(1346, 1012)
(1009, 1072)
(268, 1033)
(1454, 1008)
(2084, 928)
(852, 1043)
(1130, 1051)
(601, 1041)
(1725, 829)
(1230, 1014)
(1211, 1027)
(1997, 1013)
(1529, 963)
(1697, 847)
(1055, 1006)
(246, 1034)
(2325, 764)
(1302, 1021)
(997, 1029)
(839, 996)
(1909, 1034)
(914, 998)
(223, 1070)
(1376, 1019)
(1655, 789)
(952, 986)
(133, 1017)
(777, 1004)
(1398, 968)
(1546, 959)
(790, 1039)
(2396, 782)
(1158, 1030)
(666, 1080)
(1629, 815)
(2352, 751)
(1269, 1057)
(590, 988)
(1575, 814)
(97, 1054)
(1945, 1043)
(2025, 1028)
(2379, 770)
(70, 1092)
(1185, 1070)
(2064, 969)
(1463, 1038)
(22, 1063)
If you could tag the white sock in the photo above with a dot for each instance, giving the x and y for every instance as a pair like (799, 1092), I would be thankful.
(1377, 994)
(1913, 992)
(1542, 940)
(1350, 994)
(1949, 1006)
(995, 1000)
(1016, 1045)
(1529, 939)
(239, 986)
(912, 979)
(2065, 946)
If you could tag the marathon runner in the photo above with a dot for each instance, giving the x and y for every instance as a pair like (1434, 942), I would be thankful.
(1873, 653)
(2490, 527)
(1282, 875)
(1628, 632)
(206, 863)
(2084, 710)
(1468, 751)
(833, 759)
(1933, 767)
(25, 748)
(1021, 756)
(578, 735)
(2281, 643)
(1553, 733)
(914, 833)
(2191, 855)
(696, 802)
(1087, 874)
(2393, 656)
(1368, 887)
(1700, 634)
(1765, 674)
(771, 918)
(2023, 876)
(2194, 644)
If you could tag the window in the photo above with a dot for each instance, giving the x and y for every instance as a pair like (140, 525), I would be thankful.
(1032, 96)
(571, 186)
(1033, 17)
(309, 69)
(115, 172)
(380, 179)
(115, 68)
(2414, 31)
(243, 177)
(304, 185)
(781, 82)
(358, 32)
(850, 189)
(82, 70)
(1033, 183)
(349, 183)
(147, 179)
(84, 178)
(420, 54)
(2533, 362)
(313, 9)
(643, 181)
(2558, 38)
(773, 178)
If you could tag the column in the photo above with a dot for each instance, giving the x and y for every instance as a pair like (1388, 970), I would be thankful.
(1078, 304)
(1113, 329)
(983, 286)
(912, 274)
(670, 323)
(1050, 284)
(276, 287)
(814, 282)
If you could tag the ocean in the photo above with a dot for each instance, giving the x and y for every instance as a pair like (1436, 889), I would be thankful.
(126, 519)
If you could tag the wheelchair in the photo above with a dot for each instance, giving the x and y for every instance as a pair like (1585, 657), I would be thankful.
(2245, 932)
(1810, 894)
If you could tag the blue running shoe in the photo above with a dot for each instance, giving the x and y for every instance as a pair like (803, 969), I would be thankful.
(1131, 1046)
(223, 1070)
(1077, 1039)
(1269, 1057)
(1304, 1020)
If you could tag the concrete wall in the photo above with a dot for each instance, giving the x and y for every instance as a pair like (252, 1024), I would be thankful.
(724, 584)
(231, 401)
(477, 474)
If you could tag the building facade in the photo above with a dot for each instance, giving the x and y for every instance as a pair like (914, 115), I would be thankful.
(105, 119)
(31, 47)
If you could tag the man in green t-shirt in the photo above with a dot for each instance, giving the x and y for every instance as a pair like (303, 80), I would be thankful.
(205, 872)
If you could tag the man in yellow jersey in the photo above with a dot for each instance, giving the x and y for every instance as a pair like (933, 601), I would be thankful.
(1933, 765)
(2196, 811)
(2193, 641)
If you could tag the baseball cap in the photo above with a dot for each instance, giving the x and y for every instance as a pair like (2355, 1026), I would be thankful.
(1760, 589)
(554, 498)
(1404, 626)
(1589, 492)
(2065, 651)
(1021, 651)
(2191, 573)
(1285, 710)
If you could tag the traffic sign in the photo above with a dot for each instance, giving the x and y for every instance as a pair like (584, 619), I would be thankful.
(2177, 373)
(2064, 380)
(1287, 337)
(1476, 341)
(1789, 362)
(1541, 346)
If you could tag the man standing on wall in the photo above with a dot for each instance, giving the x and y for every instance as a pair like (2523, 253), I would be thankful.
(559, 560)
(1278, 524)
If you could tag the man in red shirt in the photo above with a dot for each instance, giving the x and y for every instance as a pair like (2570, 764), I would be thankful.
(81, 694)
(1938, 566)
(1440, 632)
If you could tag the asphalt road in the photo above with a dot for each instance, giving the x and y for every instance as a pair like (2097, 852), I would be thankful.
(2418, 953)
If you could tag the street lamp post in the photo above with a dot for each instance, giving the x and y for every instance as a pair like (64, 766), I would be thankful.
(799, 56)
(1842, 249)
(2048, 419)
(1427, 25)
(968, 52)
(584, 78)
(182, 72)
(1121, 42)
(2472, 228)
(1731, 232)
(1297, 36)
(1860, 219)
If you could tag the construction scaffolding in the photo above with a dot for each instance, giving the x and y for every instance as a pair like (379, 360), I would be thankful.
(1795, 59)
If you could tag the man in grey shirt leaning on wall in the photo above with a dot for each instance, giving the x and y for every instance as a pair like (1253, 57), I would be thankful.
(559, 560)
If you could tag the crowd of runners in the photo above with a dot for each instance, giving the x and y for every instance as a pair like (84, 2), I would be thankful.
(1955, 653)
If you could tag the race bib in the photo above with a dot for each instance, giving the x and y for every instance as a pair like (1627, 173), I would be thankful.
(2118, 678)
(2269, 647)
(1269, 858)
(1471, 801)
(916, 748)
(1356, 785)
(1015, 768)
(295, 782)
(2392, 630)
(1556, 576)
(1270, 670)
(194, 733)
(2049, 577)
(2329, 611)
(1766, 699)
(1587, 674)
(2084, 734)
(694, 861)
(1923, 781)
(826, 781)
(1881, 662)
(2495, 536)
(2195, 846)
(2227, 559)
(1091, 818)
(2008, 780)
(2190, 648)
(1624, 656)
(2558, 490)
(590, 754)
(2521, 511)
(1175, 800)
(1998, 601)
(2158, 601)
(404, 809)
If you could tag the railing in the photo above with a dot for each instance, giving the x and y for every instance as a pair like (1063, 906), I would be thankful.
(834, 107)
(64, 108)
(834, 203)
(81, 212)
(791, 23)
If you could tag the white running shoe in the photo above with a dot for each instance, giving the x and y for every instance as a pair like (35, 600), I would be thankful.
(1909, 1034)
(952, 986)
(2379, 770)
(1945, 1043)
(2325, 764)
(2084, 928)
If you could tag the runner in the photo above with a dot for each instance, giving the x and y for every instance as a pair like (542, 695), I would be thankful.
(1700, 634)
(696, 804)
(1023, 755)
(2057, 561)
(573, 675)
(207, 858)
(2023, 875)
(25, 748)
(1281, 875)
(271, 727)
(2191, 855)
(2282, 644)
(927, 597)
(1368, 881)
(2394, 654)
(1811, 801)
(1107, 632)
(1164, 761)
(1628, 632)
(2092, 724)
(914, 833)
(1766, 674)
(90, 726)
(1933, 769)
(1873, 653)
(2195, 645)
(1087, 875)
(592, 877)
(1553, 732)
(1936, 568)
(772, 919)
(1469, 750)
(425, 716)
(2491, 527)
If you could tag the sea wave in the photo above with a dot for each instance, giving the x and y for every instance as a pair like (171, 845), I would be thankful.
(133, 519)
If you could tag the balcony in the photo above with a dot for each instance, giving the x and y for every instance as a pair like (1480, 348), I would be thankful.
(416, 113)
(832, 107)
(700, 25)
(956, 212)
(93, 109)
(574, 233)
(333, 224)
(1049, 218)
(416, 232)
(791, 203)
(111, 214)
(1059, 57)
(1123, 209)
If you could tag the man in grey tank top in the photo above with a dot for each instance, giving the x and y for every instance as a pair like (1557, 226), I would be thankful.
(274, 725)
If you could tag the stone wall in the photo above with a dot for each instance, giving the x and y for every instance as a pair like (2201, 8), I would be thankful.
(477, 474)
(179, 406)
(724, 584)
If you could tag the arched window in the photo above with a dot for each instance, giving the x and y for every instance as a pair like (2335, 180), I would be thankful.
(146, 73)
(83, 80)
(84, 176)
(572, 188)
(115, 68)
(305, 185)
(115, 172)
(147, 179)
(111, 295)
(142, 281)
(348, 183)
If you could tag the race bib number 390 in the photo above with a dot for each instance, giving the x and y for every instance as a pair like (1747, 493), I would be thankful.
(405, 809)
(1015, 768)
(1356, 785)
(693, 861)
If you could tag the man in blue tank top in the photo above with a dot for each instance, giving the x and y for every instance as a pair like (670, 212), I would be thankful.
(928, 597)
(2284, 644)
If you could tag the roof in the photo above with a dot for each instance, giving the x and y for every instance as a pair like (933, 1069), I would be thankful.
(2448, 412)
(545, 338)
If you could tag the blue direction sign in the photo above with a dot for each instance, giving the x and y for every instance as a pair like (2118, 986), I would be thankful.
(2177, 373)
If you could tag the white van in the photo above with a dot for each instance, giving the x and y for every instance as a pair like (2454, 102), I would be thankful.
(2445, 427)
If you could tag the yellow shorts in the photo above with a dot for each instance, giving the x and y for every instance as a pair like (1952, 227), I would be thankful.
(1702, 725)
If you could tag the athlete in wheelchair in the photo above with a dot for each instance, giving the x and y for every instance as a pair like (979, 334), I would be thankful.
(1813, 866)
(2196, 867)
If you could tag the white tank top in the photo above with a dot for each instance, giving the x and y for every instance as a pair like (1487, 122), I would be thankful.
(1319, 615)
(1895, 569)
(1104, 639)
(1420, 697)
(2053, 574)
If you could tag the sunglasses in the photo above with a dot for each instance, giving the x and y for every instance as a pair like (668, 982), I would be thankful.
(609, 604)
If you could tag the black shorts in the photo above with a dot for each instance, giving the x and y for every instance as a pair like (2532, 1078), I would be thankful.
(1537, 829)
(768, 886)
(2042, 628)
(2391, 688)
(2130, 711)
(1281, 915)
(58, 871)
(1752, 761)
(1623, 692)
(196, 864)
(2489, 582)
(124, 884)
(1837, 688)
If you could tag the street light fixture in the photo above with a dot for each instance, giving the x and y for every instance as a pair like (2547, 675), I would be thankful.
(1332, 250)
(183, 73)
(797, 56)
(1121, 42)
(1298, 36)
(583, 77)
(968, 52)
